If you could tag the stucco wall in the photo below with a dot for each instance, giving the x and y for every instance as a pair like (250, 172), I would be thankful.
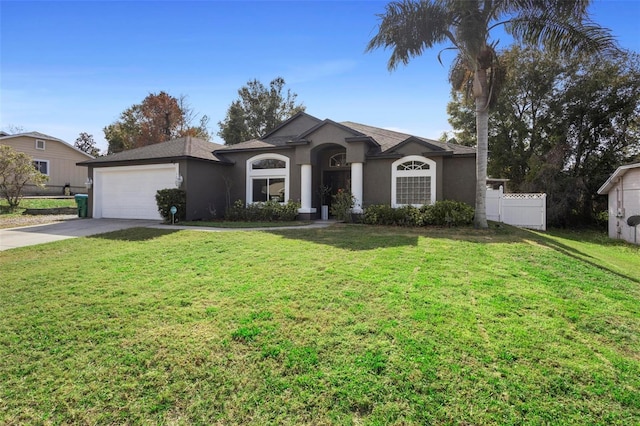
(459, 175)
(238, 176)
(62, 164)
(625, 194)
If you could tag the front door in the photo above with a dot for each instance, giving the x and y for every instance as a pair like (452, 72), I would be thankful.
(336, 179)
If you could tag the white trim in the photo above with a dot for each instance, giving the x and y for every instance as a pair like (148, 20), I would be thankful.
(43, 161)
(98, 180)
(395, 173)
(250, 174)
(43, 144)
(610, 183)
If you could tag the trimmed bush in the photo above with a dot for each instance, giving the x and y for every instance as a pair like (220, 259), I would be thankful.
(442, 213)
(341, 205)
(269, 211)
(165, 198)
(449, 213)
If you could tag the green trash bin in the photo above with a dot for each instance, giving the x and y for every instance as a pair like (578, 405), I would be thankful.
(82, 201)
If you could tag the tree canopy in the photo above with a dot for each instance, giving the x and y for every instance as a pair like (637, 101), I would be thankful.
(257, 110)
(561, 125)
(410, 27)
(158, 118)
(86, 143)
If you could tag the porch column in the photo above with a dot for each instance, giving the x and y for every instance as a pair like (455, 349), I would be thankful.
(305, 190)
(356, 186)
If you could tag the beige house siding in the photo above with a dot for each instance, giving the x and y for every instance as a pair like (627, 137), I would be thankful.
(61, 158)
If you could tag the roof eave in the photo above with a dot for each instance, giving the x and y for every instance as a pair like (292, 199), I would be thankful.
(620, 171)
(259, 148)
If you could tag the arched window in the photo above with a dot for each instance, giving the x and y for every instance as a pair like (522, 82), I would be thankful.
(268, 178)
(413, 181)
(338, 160)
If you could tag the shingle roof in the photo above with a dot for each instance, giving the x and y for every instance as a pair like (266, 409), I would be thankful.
(390, 139)
(252, 144)
(187, 147)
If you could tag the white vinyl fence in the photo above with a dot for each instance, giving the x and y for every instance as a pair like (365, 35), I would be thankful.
(524, 210)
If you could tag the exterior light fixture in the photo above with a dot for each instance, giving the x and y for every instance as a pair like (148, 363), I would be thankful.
(88, 183)
(179, 180)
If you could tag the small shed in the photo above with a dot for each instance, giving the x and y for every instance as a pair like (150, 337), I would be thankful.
(623, 190)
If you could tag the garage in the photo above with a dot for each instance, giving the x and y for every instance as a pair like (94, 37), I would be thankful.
(129, 192)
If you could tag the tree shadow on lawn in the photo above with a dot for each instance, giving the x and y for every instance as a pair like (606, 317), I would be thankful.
(574, 253)
(339, 236)
(370, 237)
(135, 234)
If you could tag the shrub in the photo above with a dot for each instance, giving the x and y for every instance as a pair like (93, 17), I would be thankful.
(341, 205)
(165, 198)
(448, 213)
(384, 214)
(442, 213)
(269, 211)
(16, 171)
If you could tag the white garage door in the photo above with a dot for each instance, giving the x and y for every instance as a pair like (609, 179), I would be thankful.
(129, 192)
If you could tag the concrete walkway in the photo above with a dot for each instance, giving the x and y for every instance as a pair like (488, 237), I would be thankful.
(40, 234)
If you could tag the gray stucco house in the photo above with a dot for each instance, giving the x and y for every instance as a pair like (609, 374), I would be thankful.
(289, 163)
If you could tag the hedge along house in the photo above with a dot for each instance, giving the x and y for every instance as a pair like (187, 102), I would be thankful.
(291, 162)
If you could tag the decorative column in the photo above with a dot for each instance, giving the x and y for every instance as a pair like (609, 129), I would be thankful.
(306, 193)
(356, 186)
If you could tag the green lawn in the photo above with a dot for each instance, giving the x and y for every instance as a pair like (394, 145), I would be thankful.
(238, 224)
(345, 325)
(36, 203)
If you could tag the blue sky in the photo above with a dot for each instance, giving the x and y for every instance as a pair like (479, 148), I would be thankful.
(70, 67)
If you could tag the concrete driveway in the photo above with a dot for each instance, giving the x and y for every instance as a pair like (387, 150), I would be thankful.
(39, 234)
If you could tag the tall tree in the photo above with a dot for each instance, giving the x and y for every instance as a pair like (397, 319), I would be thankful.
(410, 27)
(158, 118)
(258, 110)
(85, 143)
(17, 171)
(561, 126)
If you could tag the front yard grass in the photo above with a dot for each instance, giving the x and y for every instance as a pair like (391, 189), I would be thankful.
(36, 203)
(345, 325)
(240, 224)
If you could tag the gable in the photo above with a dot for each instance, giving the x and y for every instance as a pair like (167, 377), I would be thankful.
(296, 125)
(53, 148)
(619, 173)
(329, 132)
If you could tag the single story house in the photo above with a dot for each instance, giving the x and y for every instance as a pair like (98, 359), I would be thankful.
(291, 162)
(52, 157)
(623, 190)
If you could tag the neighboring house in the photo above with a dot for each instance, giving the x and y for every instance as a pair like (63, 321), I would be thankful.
(54, 158)
(623, 190)
(291, 162)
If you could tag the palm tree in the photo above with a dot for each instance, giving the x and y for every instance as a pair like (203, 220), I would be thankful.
(410, 27)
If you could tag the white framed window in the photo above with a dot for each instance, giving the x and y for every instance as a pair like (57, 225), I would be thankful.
(338, 160)
(413, 181)
(40, 144)
(267, 178)
(42, 166)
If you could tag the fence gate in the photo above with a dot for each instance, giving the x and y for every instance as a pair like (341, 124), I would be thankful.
(524, 210)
